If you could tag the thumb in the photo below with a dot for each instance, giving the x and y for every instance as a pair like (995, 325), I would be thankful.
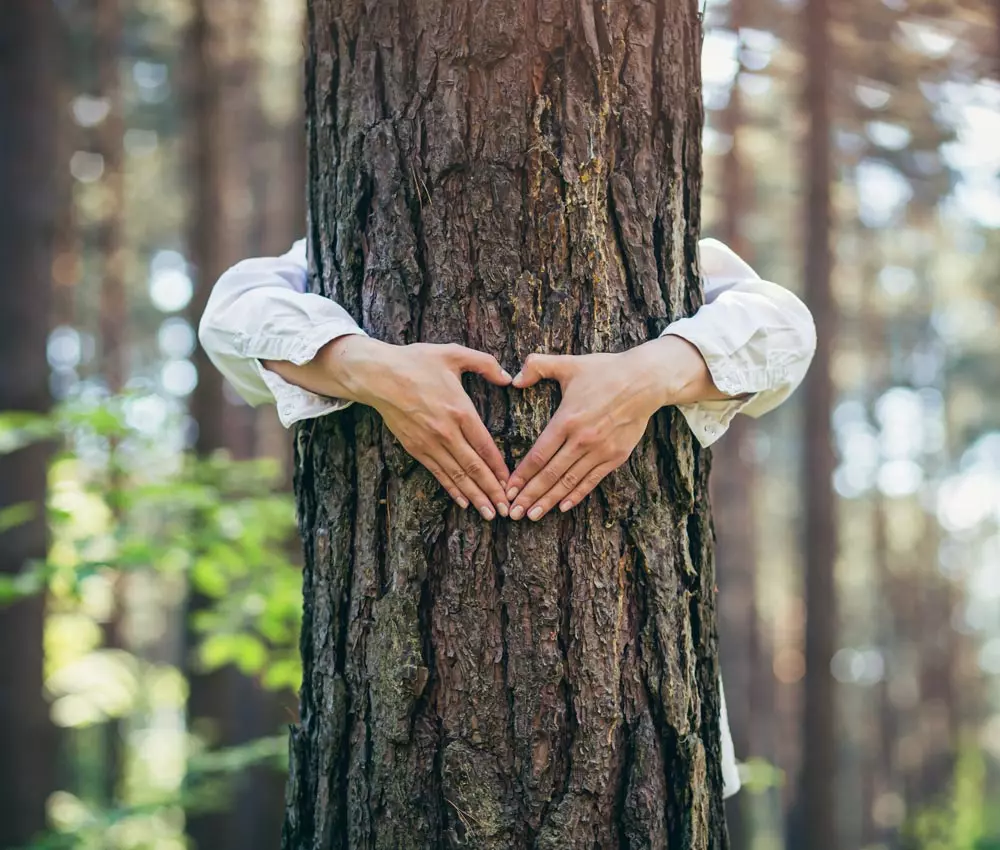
(540, 366)
(470, 360)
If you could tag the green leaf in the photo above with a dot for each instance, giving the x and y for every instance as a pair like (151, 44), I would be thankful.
(245, 651)
(19, 429)
(27, 583)
(14, 515)
(209, 579)
(283, 675)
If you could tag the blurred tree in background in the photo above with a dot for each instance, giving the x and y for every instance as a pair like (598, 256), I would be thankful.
(149, 144)
(29, 65)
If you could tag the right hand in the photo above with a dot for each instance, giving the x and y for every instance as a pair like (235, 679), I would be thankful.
(417, 389)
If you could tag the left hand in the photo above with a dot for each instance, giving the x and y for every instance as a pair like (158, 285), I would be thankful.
(607, 400)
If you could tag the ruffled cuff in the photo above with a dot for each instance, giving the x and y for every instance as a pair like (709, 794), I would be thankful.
(709, 420)
(295, 403)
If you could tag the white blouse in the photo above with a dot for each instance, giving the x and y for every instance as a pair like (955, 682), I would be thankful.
(757, 338)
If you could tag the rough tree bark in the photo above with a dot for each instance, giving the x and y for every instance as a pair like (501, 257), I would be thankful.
(518, 177)
(28, 60)
(815, 827)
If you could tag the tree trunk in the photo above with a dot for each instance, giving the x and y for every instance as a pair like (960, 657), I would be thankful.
(518, 177)
(111, 229)
(208, 247)
(29, 56)
(225, 707)
(880, 736)
(815, 828)
(732, 486)
(113, 316)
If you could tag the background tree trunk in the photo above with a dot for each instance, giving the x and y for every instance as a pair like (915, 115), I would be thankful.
(209, 244)
(817, 817)
(225, 707)
(517, 177)
(732, 486)
(113, 317)
(29, 59)
(111, 229)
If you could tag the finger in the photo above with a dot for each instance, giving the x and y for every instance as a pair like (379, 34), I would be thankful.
(470, 360)
(482, 444)
(551, 483)
(445, 480)
(590, 480)
(453, 468)
(538, 455)
(539, 366)
(471, 465)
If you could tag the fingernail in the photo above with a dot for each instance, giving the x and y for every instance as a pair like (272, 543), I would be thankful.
(487, 512)
(512, 493)
(503, 510)
(506, 374)
(463, 503)
(535, 513)
(517, 377)
(516, 512)
(565, 505)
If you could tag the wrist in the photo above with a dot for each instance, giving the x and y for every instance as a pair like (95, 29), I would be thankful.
(350, 364)
(680, 373)
(650, 375)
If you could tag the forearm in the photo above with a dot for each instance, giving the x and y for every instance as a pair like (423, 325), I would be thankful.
(417, 390)
(258, 312)
(339, 368)
(678, 369)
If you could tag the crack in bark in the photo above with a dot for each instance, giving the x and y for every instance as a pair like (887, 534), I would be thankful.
(419, 308)
(499, 544)
(694, 296)
(624, 253)
(382, 520)
(342, 768)
(567, 526)
(657, 105)
(661, 272)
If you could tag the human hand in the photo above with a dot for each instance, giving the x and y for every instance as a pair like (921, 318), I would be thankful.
(418, 391)
(607, 400)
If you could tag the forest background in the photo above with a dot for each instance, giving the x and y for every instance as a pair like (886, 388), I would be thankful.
(150, 588)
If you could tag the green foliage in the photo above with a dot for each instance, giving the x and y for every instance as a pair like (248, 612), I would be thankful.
(224, 525)
(19, 429)
(131, 514)
(759, 775)
(83, 826)
(962, 822)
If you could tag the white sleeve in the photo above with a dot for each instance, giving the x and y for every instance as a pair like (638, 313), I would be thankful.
(731, 782)
(757, 339)
(260, 310)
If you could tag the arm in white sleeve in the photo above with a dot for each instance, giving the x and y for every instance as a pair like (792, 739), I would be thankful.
(757, 339)
(259, 310)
